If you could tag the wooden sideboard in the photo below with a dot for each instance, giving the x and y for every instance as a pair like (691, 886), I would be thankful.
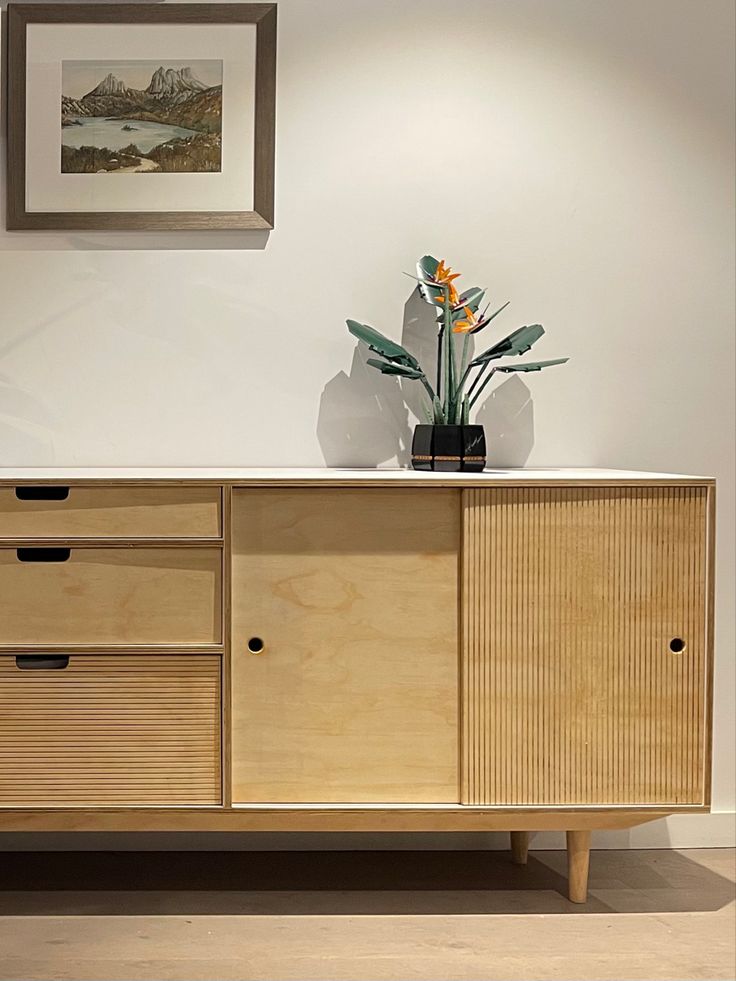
(325, 650)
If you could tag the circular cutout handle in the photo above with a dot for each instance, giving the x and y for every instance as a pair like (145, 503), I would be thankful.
(256, 645)
(678, 645)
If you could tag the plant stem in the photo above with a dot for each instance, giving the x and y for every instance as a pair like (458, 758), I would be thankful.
(484, 368)
(439, 361)
(463, 379)
(478, 393)
(464, 358)
(428, 388)
(450, 356)
(465, 412)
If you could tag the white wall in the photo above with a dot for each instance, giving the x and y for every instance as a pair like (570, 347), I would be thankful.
(576, 156)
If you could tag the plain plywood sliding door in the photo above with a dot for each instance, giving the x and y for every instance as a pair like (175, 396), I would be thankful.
(354, 596)
(584, 651)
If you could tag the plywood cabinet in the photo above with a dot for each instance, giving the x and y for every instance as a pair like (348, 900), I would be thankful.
(116, 596)
(345, 651)
(584, 654)
(354, 696)
(89, 729)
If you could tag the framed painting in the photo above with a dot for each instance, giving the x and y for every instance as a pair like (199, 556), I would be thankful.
(143, 117)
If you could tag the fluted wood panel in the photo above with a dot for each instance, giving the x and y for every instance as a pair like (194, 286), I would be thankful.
(571, 694)
(111, 729)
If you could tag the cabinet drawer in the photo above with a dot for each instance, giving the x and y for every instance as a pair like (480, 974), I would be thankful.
(109, 512)
(109, 729)
(110, 596)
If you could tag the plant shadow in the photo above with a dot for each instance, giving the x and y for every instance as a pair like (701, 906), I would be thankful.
(419, 337)
(362, 420)
(507, 416)
(366, 419)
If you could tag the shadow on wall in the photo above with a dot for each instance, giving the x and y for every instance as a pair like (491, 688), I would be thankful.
(508, 418)
(367, 419)
(25, 427)
(363, 421)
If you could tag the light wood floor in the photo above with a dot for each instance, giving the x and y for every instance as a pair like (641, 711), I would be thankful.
(339, 915)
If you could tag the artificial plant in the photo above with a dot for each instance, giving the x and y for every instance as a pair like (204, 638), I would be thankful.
(462, 376)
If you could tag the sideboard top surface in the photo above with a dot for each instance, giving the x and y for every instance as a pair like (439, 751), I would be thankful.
(336, 477)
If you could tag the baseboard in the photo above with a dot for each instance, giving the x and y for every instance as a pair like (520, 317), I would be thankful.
(717, 830)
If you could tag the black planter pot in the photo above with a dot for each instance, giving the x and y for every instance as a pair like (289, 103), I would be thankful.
(448, 448)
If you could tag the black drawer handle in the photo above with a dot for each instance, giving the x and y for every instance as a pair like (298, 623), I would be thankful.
(42, 662)
(42, 493)
(43, 554)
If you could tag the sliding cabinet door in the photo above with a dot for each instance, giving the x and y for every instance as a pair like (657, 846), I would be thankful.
(584, 653)
(345, 655)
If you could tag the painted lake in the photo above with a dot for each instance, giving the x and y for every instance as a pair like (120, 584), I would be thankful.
(100, 132)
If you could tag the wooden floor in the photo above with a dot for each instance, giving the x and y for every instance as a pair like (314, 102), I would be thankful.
(364, 915)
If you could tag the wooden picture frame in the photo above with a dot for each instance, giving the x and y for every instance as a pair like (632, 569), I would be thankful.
(261, 15)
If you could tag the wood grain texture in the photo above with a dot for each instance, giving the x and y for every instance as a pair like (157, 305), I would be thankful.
(114, 512)
(306, 818)
(519, 847)
(355, 595)
(111, 729)
(112, 596)
(227, 565)
(571, 693)
(578, 864)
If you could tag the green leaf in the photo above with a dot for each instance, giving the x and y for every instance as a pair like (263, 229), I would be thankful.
(439, 412)
(426, 270)
(381, 345)
(531, 365)
(427, 267)
(486, 321)
(472, 299)
(387, 368)
(465, 418)
(517, 343)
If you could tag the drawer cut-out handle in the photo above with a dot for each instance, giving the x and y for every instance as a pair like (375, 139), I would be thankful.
(42, 662)
(42, 493)
(677, 645)
(256, 645)
(43, 554)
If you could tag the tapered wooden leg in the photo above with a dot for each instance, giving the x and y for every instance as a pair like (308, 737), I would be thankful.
(578, 860)
(519, 847)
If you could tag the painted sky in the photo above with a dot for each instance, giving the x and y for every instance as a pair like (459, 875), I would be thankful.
(80, 77)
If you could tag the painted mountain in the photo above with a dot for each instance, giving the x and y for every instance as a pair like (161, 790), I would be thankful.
(140, 117)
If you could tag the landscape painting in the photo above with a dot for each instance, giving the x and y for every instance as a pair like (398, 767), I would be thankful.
(141, 117)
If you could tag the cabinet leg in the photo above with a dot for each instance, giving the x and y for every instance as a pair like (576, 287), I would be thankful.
(519, 847)
(578, 860)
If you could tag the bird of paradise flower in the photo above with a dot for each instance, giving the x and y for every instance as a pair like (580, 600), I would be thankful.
(460, 382)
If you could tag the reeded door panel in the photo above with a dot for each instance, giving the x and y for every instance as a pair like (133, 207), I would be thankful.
(584, 653)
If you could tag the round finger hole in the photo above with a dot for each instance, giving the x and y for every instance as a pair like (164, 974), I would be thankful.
(256, 645)
(677, 645)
